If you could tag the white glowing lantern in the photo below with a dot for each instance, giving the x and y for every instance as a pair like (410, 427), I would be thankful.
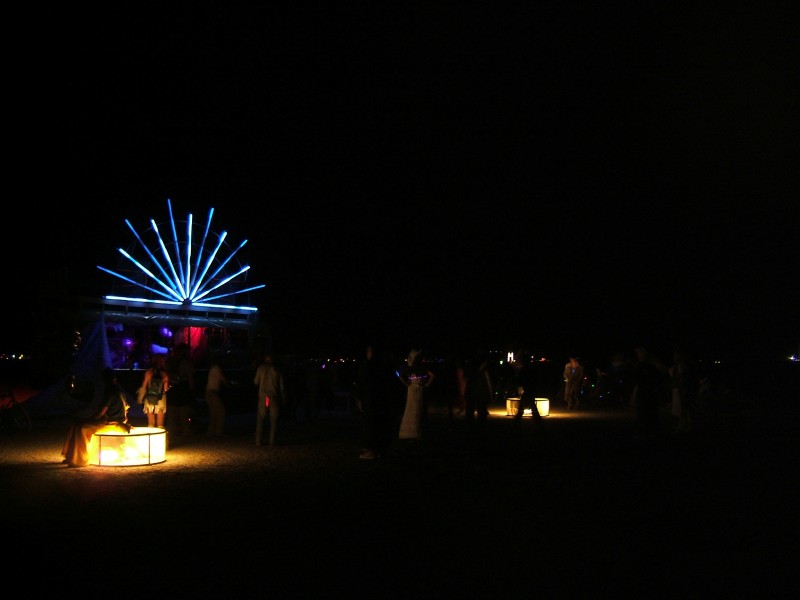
(141, 446)
(542, 405)
(512, 406)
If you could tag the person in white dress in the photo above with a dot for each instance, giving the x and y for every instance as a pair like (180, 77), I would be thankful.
(417, 378)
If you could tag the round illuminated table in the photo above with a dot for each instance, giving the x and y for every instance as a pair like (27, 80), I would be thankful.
(110, 447)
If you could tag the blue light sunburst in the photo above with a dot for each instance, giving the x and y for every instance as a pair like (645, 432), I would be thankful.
(187, 273)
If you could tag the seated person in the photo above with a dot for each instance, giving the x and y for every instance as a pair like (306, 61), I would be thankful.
(112, 413)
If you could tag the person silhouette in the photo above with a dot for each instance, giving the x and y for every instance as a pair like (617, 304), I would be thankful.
(374, 384)
(216, 385)
(479, 391)
(153, 393)
(573, 382)
(181, 391)
(113, 413)
(649, 377)
(271, 396)
(683, 378)
(526, 381)
(417, 378)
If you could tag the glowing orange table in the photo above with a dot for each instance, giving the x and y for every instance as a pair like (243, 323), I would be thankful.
(142, 446)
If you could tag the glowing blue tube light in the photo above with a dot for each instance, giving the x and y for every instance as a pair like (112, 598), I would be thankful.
(180, 285)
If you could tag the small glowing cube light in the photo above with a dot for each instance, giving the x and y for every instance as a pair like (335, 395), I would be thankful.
(142, 446)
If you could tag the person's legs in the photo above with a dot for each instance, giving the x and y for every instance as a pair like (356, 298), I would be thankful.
(161, 415)
(482, 409)
(261, 415)
(469, 409)
(211, 402)
(534, 410)
(216, 413)
(520, 410)
(274, 414)
(76, 451)
(68, 451)
(185, 419)
(219, 427)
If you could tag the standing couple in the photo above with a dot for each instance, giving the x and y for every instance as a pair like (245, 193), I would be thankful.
(376, 400)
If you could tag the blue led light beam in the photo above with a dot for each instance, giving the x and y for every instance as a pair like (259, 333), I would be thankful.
(183, 285)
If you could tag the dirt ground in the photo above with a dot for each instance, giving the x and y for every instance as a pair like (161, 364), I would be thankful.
(580, 506)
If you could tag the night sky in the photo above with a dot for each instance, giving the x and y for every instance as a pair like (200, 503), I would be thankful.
(553, 177)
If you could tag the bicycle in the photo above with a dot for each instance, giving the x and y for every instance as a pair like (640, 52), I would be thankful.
(13, 411)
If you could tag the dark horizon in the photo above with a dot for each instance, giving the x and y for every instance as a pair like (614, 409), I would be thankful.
(541, 177)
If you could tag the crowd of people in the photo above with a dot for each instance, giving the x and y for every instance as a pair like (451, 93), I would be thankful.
(394, 398)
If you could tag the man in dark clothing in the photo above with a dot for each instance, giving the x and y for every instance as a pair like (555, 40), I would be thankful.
(478, 393)
(180, 395)
(649, 377)
(375, 380)
(529, 385)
